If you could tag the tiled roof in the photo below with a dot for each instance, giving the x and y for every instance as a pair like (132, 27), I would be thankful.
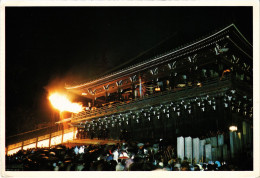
(152, 55)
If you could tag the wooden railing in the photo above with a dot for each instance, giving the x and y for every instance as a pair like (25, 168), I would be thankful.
(209, 86)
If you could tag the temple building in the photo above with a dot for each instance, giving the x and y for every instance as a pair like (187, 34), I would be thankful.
(200, 90)
(197, 89)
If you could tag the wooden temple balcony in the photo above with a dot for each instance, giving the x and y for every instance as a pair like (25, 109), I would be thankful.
(210, 87)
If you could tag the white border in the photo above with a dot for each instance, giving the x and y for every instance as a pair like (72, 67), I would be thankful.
(238, 174)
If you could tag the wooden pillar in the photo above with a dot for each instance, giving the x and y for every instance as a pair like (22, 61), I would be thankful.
(22, 144)
(106, 96)
(119, 84)
(133, 79)
(50, 141)
(119, 93)
(133, 91)
(36, 142)
(62, 134)
(93, 101)
(6, 150)
(106, 87)
(74, 130)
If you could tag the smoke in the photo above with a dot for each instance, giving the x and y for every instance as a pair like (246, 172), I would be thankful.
(57, 84)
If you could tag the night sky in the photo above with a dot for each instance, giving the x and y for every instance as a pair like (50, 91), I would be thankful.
(47, 47)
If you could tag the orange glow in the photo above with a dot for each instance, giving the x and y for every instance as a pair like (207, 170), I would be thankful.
(68, 136)
(61, 103)
(227, 70)
(13, 151)
(157, 89)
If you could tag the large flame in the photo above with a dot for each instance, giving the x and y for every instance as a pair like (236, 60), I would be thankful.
(61, 103)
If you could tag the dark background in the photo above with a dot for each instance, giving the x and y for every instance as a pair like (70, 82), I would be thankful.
(47, 47)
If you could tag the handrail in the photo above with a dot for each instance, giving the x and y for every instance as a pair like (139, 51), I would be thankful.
(106, 110)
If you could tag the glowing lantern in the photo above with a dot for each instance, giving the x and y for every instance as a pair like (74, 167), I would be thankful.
(233, 128)
(157, 89)
(199, 84)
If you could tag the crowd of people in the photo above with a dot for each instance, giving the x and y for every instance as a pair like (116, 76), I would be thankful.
(130, 156)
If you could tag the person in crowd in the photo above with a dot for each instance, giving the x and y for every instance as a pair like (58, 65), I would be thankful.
(115, 155)
(129, 156)
(120, 166)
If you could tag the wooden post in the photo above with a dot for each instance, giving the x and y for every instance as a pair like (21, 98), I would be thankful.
(50, 140)
(22, 144)
(62, 134)
(6, 150)
(36, 142)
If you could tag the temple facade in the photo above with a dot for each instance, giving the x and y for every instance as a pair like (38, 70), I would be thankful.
(198, 89)
(198, 97)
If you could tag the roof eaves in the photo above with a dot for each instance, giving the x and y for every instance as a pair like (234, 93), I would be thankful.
(154, 58)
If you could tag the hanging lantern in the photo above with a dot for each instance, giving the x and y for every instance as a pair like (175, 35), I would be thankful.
(233, 128)
(149, 118)
(157, 88)
(158, 117)
(226, 105)
(178, 113)
(189, 111)
(199, 84)
(168, 115)
(214, 108)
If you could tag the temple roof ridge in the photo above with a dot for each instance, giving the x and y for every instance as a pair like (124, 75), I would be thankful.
(156, 57)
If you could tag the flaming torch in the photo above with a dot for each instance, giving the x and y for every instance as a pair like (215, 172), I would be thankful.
(62, 103)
